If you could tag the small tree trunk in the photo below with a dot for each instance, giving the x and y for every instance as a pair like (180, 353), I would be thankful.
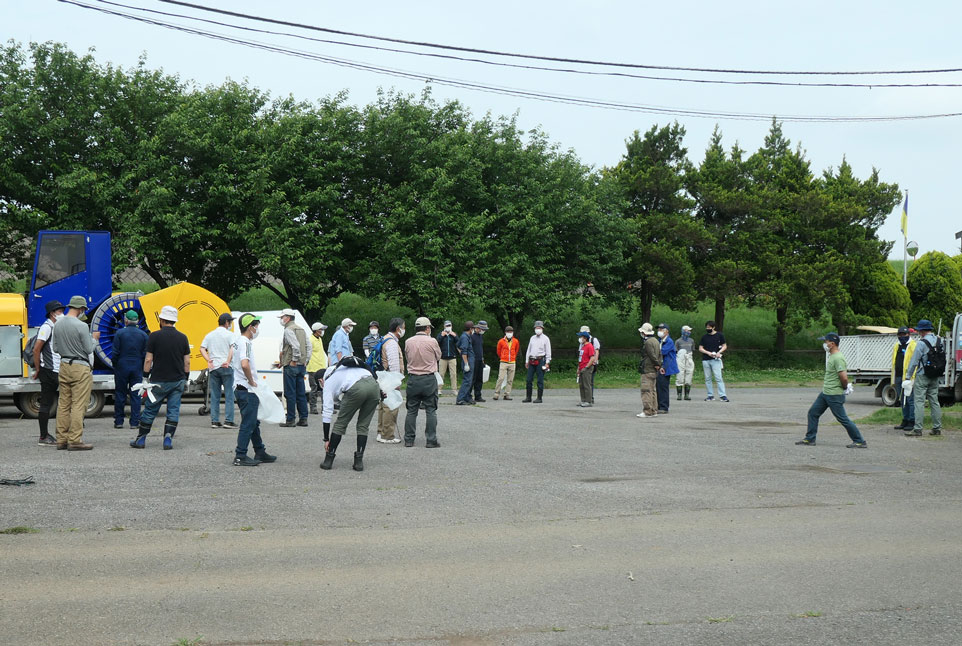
(647, 299)
(781, 319)
(720, 314)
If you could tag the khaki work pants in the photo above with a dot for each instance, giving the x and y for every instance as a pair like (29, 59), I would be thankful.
(450, 366)
(505, 377)
(76, 381)
(648, 395)
(386, 421)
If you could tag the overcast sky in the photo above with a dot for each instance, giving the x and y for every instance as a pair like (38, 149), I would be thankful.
(920, 155)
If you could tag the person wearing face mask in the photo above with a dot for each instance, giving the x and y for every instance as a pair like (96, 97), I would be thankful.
(46, 365)
(316, 366)
(129, 350)
(373, 336)
(834, 389)
(596, 344)
(649, 367)
(340, 345)
(586, 366)
(685, 348)
(448, 342)
(537, 361)
(295, 354)
(712, 346)
(477, 343)
(466, 350)
(245, 382)
(394, 362)
(422, 353)
(669, 367)
(508, 348)
(901, 356)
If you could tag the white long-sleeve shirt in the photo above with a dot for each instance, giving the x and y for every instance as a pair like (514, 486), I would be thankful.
(336, 381)
(538, 346)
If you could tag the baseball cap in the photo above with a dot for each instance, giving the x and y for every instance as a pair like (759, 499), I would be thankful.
(446, 323)
(831, 336)
(347, 322)
(903, 330)
(168, 313)
(686, 328)
(662, 326)
(584, 334)
(78, 302)
(509, 329)
(318, 326)
(132, 315)
(224, 318)
(422, 321)
(374, 324)
(287, 312)
(248, 319)
(53, 306)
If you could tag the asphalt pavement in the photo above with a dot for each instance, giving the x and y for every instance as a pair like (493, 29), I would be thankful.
(532, 524)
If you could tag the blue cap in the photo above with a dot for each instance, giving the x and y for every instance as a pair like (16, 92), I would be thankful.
(584, 334)
(924, 324)
(831, 336)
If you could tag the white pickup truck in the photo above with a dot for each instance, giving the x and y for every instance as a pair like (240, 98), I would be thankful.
(869, 358)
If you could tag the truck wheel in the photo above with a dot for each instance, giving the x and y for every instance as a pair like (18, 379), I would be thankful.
(29, 405)
(889, 396)
(96, 404)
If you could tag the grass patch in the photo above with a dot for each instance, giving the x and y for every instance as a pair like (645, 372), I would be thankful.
(184, 641)
(117, 528)
(810, 613)
(721, 620)
(20, 529)
(951, 419)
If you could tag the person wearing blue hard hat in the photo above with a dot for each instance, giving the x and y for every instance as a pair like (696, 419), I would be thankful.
(922, 375)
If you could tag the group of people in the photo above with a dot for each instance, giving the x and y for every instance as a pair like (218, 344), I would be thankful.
(662, 357)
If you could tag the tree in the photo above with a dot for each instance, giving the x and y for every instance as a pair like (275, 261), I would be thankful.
(722, 190)
(879, 297)
(936, 288)
(651, 177)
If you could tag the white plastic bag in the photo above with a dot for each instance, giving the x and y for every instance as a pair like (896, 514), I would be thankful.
(437, 375)
(270, 409)
(389, 383)
(486, 373)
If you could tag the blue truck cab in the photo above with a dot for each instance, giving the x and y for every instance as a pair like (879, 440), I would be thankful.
(68, 263)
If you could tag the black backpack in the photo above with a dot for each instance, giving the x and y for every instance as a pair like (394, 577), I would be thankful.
(935, 359)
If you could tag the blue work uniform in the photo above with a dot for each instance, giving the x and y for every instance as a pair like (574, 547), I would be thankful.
(129, 351)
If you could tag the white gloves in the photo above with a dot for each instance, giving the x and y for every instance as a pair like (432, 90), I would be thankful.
(467, 367)
(145, 387)
(906, 384)
(850, 388)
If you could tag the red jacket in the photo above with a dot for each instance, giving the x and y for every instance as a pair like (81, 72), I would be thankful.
(508, 350)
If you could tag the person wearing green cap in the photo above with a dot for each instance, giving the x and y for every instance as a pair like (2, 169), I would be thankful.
(129, 350)
(245, 384)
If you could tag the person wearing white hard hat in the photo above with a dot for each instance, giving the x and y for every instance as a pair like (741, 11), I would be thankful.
(649, 368)
(295, 353)
(685, 347)
(316, 366)
(340, 345)
(166, 368)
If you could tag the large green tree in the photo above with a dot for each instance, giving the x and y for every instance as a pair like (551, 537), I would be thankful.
(651, 177)
(936, 289)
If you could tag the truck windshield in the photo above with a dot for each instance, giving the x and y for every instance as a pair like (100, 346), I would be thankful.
(61, 255)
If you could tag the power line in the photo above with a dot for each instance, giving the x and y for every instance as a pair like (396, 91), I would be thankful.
(554, 59)
(534, 67)
(508, 91)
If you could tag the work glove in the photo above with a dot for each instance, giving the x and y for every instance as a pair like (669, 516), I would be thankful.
(467, 367)
(145, 388)
(850, 389)
(906, 384)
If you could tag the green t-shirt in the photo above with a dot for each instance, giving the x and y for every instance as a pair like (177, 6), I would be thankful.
(834, 365)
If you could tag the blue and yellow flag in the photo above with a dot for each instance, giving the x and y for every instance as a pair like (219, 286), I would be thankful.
(905, 216)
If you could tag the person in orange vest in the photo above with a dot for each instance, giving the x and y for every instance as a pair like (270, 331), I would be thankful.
(508, 349)
(901, 356)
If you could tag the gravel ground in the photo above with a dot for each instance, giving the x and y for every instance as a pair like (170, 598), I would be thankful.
(532, 524)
